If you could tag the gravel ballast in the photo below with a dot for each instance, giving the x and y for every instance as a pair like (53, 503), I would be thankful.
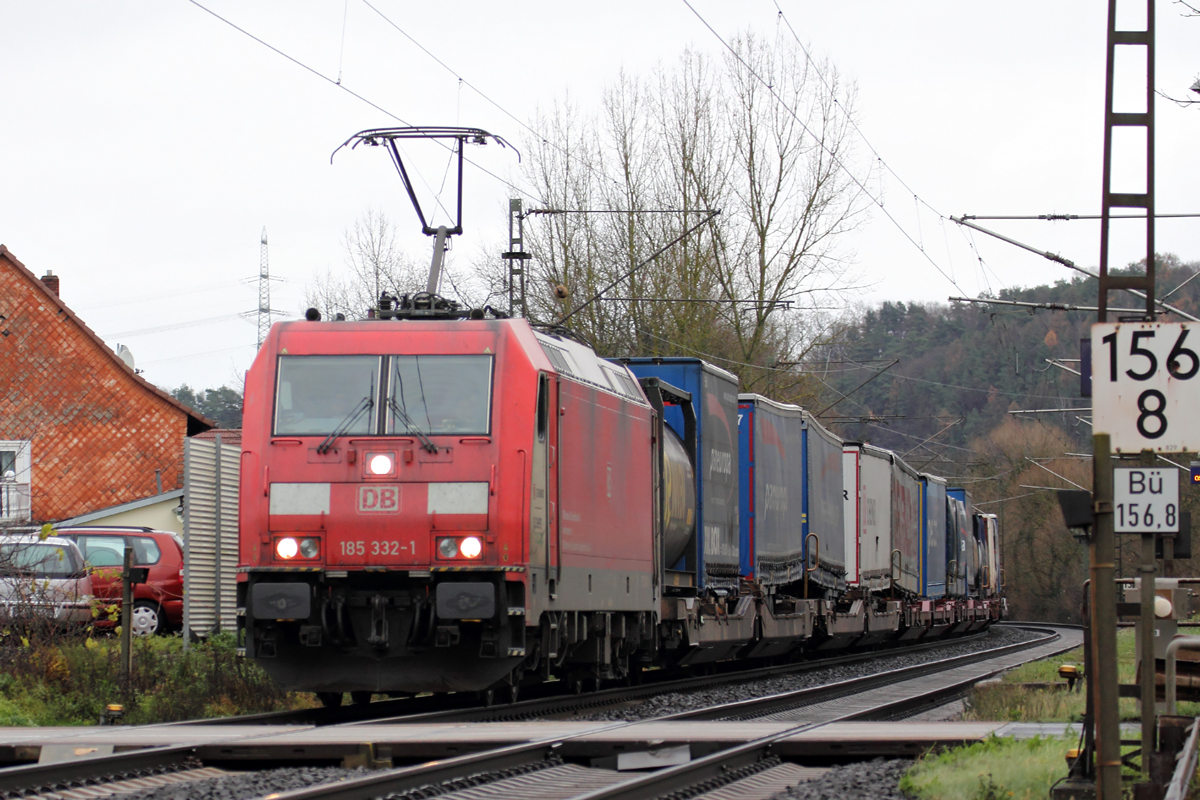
(731, 693)
(239, 785)
(866, 780)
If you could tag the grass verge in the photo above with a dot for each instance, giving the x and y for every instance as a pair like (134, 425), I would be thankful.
(1004, 768)
(1010, 699)
(994, 769)
(69, 682)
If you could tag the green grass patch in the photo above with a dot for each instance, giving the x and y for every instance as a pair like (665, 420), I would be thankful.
(994, 769)
(70, 681)
(1011, 701)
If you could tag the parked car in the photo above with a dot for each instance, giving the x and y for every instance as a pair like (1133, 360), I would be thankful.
(44, 580)
(157, 603)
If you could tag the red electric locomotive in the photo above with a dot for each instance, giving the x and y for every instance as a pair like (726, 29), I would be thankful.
(414, 490)
(442, 500)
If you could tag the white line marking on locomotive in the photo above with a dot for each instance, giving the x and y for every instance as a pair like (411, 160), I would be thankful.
(457, 498)
(299, 498)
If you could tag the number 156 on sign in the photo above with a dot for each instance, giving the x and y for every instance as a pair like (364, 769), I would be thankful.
(1146, 385)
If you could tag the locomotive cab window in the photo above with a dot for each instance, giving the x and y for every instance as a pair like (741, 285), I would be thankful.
(434, 395)
(317, 395)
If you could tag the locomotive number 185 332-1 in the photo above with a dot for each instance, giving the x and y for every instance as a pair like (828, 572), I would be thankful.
(377, 548)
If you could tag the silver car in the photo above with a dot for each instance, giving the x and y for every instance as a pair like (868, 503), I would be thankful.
(44, 579)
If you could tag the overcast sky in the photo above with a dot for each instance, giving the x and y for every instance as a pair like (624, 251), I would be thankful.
(146, 144)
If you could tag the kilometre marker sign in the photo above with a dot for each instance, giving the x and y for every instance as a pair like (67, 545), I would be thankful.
(1145, 500)
(1146, 385)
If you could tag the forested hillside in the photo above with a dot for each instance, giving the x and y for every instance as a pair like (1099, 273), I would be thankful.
(945, 406)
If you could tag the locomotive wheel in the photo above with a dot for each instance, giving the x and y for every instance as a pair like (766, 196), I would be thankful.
(360, 698)
(330, 699)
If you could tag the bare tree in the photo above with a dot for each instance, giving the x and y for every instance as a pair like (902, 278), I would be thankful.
(760, 136)
(374, 263)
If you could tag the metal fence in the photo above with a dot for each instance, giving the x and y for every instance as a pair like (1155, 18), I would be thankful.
(210, 533)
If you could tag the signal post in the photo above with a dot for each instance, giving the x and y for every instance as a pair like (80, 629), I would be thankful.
(1137, 381)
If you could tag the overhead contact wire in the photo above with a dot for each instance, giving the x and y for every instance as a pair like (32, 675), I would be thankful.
(356, 95)
(840, 163)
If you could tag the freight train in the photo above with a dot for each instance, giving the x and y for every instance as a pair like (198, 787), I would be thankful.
(445, 500)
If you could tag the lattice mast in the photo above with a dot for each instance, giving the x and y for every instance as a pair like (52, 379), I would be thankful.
(264, 291)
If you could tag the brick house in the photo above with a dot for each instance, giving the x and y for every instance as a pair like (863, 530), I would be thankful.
(80, 431)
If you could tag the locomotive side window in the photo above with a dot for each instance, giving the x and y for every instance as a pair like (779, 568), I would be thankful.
(543, 407)
(440, 395)
(317, 394)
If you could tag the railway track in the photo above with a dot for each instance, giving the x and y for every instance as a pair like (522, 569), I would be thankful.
(621, 697)
(556, 698)
(758, 746)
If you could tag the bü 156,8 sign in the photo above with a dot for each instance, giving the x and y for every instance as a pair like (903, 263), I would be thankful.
(1146, 385)
(1145, 500)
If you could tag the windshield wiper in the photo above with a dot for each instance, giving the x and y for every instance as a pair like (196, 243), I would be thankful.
(411, 426)
(366, 404)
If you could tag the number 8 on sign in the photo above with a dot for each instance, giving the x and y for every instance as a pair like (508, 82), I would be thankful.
(1145, 386)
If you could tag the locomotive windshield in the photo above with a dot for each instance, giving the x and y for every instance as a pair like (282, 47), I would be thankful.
(316, 394)
(439, 394)
(434, 395)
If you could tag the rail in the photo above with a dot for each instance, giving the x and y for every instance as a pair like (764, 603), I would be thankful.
(22, 778)
(1177, 789)
(719, 768)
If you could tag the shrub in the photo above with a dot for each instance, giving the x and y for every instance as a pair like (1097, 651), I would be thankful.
(70, 682)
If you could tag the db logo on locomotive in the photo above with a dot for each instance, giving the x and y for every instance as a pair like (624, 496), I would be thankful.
(378, 499)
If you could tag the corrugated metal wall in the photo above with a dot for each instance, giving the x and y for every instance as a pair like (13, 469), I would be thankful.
(210, 533)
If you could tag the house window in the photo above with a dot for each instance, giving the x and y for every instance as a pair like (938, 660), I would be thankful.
(14, 481)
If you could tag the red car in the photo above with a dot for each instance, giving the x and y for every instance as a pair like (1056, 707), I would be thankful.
(157, 603)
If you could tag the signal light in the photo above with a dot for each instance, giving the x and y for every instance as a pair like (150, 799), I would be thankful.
(1195, 472)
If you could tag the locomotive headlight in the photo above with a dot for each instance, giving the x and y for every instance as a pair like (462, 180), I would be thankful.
(309, 548)
(447, 548)
(380, 464)
(287, 548)
(470, 547)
